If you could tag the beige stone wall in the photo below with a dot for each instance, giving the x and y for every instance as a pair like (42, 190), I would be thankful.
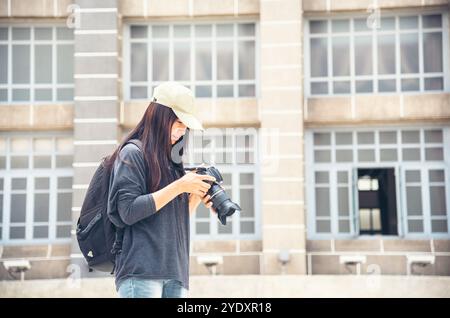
(47, 261)
(281, 116)
(242, 112)
(240, 257)
(362, 109)
(251, 112)
(250, 286)
(312, 6)
(52, 261)
(389, 256)
(34, 8)
(36, 117)
(188, 8)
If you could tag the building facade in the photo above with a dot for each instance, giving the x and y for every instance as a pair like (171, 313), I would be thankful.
(330, 121)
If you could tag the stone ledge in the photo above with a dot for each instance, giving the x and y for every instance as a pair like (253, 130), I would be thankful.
(251, 286)
(320, 6)
(377, 109)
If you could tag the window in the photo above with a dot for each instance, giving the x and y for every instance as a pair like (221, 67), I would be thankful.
(377, 201)
(35, 188)
(414, 199)
(366, 183)
(233, 152)
(331, 185)
(411, 145)
(426, 202)
(438, 210)
(214, 60)
(36, 64)
(322, 188)
(381, 181)
(369, 221)
(403, 53)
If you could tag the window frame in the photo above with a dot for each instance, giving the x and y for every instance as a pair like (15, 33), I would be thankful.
(400, 166)
(192, 82)
(54, 85)
(374, 77)
(30, 174)
(234, 169)
(426, 217)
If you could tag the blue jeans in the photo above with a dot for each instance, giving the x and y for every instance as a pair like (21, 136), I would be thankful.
(151, 288)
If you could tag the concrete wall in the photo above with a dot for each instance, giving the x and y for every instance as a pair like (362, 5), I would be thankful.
(53, 261)
(313, 6)
(242, 112)
(376, 109)
(282, 193)
(247, 257)
(265, 286)
(390, 256)
(47, 261)
(359, 110)
(318, 112)
(35, 9)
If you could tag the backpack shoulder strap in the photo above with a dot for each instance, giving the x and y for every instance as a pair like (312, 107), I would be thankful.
(136, 142)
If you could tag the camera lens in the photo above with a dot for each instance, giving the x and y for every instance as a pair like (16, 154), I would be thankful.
(221, 202)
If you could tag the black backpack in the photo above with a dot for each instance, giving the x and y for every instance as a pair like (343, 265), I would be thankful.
(99, 239)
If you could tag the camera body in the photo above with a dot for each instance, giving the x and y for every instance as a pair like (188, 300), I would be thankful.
(221, 202)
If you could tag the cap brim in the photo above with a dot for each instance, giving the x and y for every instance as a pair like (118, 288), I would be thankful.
(189, 120)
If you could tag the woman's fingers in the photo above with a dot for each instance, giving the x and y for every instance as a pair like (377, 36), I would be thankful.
(206, 201)
(198, 184)
(200, 193)
(205, 185)
(206, 177)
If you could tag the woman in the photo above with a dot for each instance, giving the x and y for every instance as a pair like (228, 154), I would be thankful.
(154, 197)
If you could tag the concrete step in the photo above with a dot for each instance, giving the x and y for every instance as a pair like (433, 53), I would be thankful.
(250, 286)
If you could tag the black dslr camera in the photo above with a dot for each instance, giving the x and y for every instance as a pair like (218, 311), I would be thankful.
(221, 202)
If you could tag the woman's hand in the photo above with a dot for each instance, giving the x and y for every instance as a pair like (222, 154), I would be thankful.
(206, 202)
(194, 183)
(191, 183)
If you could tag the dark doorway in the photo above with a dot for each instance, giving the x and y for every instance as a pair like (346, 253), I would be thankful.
(377, 201)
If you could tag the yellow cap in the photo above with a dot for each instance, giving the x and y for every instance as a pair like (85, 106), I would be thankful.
(181, 100)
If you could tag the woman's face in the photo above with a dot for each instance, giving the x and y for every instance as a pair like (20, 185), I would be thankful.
(178, 130)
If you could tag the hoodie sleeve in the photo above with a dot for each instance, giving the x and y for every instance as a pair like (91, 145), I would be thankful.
(128, 188)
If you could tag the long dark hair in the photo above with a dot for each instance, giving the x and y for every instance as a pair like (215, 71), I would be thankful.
(154, 131)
